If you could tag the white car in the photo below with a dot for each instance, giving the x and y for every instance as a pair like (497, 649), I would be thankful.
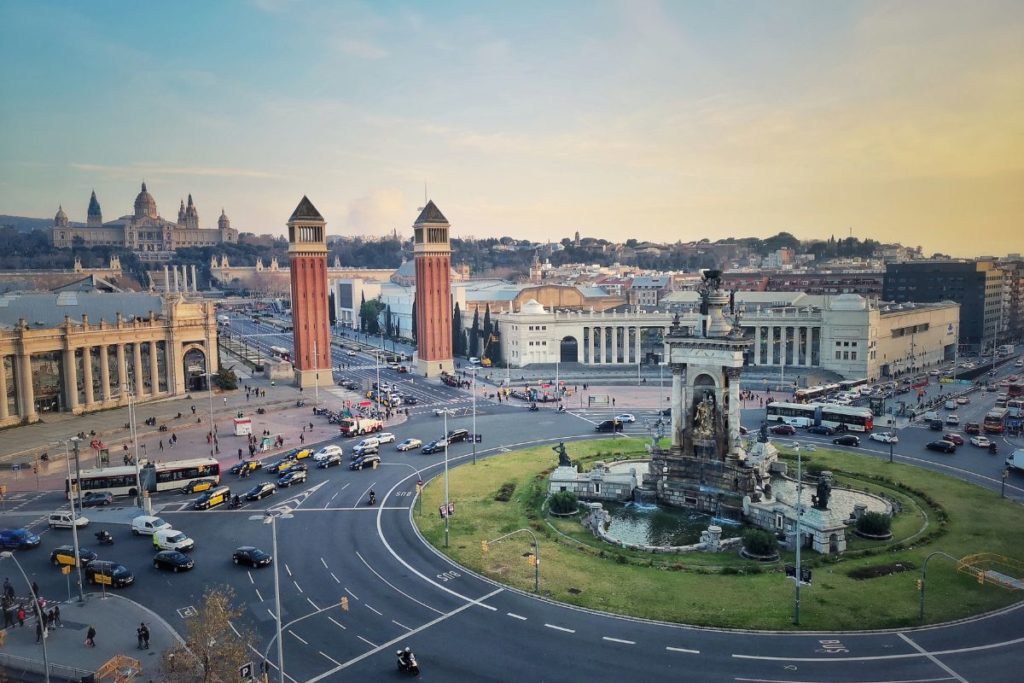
(326, 452)
(1020, 363)
(64, 520)
(408, 445)
(626, 417)
(350, 352)
(148, 525)
(980, 441)
(385, 437)
(885, 437)
(952, 419)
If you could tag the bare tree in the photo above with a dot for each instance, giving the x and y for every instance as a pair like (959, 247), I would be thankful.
(213, 649)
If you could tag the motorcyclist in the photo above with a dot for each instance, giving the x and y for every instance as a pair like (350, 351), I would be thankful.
(236, 501)
(373, 497)
(405, 657)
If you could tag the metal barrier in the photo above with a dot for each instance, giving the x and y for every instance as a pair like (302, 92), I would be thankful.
(16, 667)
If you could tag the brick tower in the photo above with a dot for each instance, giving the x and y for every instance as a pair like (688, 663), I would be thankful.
(433, 253)
(307, 253)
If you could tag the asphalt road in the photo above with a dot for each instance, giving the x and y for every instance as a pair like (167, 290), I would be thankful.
(463, 627)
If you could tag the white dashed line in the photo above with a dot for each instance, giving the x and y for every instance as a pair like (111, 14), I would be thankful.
(250, 577)
(329, 657)
(297, 585)
(400, 625)
(366, 641)
(324, 562)
(258, 595)
(336, 579)
(315, 606)
(272, 615)
(932, 657)
(516, 616)
(374, 611)
(287, 570)
(351, 593)
(560, 628)
(618, 640)
(683, 650)
(298, 638)
(337, 623)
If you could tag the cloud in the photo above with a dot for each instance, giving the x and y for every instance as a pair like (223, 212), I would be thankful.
(156, 170)
(379, 212)
(363, 49)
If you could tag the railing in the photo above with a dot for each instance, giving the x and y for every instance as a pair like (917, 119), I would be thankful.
(16, 667)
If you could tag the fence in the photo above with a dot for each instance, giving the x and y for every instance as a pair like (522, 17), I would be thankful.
(24, 669)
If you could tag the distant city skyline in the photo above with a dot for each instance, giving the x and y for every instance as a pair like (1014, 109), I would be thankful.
(663, 121)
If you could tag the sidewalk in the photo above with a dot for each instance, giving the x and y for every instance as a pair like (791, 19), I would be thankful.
(115, 619)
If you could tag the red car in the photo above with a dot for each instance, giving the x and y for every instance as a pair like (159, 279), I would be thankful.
(972, 428)
(954, 438)
(784, 430)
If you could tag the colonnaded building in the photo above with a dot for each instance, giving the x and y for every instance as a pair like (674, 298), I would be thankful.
(80, 352)
(847, 334)
(144, 231)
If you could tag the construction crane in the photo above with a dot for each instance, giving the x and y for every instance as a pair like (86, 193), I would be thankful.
(485, 359)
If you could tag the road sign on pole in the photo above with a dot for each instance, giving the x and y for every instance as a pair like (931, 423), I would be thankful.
(245, 672)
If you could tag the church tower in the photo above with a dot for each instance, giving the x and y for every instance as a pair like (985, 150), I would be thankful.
(95, 215)
(433, 258)
(307, 253)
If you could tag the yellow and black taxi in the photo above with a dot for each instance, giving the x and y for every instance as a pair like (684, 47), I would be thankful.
(64, 556)
(175, 560)
(299, 454)
(212, 498)
(198, 486)
(252, 556)
(107, 573)
(293, 467)
(278, 466)
(247, 467)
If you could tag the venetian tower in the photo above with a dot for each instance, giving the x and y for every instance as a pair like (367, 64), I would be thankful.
(307, 253)
(433, 260)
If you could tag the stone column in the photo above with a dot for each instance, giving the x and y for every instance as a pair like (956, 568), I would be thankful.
(615, 344)
(637, 343)
(87, 375)
(4, 410)
(104, 374)
(678, 409)
(757, 345)
(70, 379)
(782, 345)
(154, 371)
(122, 374)
(195, 283)
(810, 347)
(137, 363)
(732, 376)
(595, 339)
(26, 392)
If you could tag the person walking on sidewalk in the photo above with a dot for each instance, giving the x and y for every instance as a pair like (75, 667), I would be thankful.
(56, 617)
(21, 617)
(145, 637)
(90, 637)
(39, 630)
(138, 634)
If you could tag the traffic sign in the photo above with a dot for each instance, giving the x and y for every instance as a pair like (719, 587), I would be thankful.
(478, 438)
(66, 569)
(245, 672)
(104, 579)
(447, 510)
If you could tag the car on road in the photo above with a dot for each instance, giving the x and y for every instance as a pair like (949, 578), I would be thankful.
(942, 446)
(953, 438)
(212, 498)
(385, 437)
(64, 556)
(981, 441)
(63, 519)
(962, 400)
(330, 461)
(261, 491)
(952, 419)
(326, 452)
(822, 429)
(972, 428)
(294, 467)
(885, 437)
(174, 560)
(299, 453)
(278, 466)
(436, 446)
(113, 574)
(18, 539)
(197, 486)
(846, 440)
(608, 426)
(348, 384)
(935, 425)
(350, 352)
(783, 430)
(408, 445)
(91, 499)
(252, 556)
(626, 417)
(950, 404)
(410, 400)
(172, 539)
(367, 460)
(369, 445)
(249, 466)
(292, 477)
(147, 525)
(457, 435)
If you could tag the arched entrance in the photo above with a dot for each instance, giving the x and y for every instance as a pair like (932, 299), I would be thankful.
(194, 370)
(569, 351)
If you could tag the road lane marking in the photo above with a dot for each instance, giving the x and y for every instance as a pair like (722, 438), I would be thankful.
(297, 585)
(907, 655)
(297, 637)
(315, 606)
(272, 615)
(322, 561)
(516, 616)
(683, 650)
(336, 579)
(400, 625)
(250, 577)
(344, 487)
(274, 666)
(329, 657)
(560, 628)
(338, 624)
(908, 680)
(259, 595)
(395, 587)
(424, 627)
(287, 569)
(351, 593)
(365, 641)
(933, 658)
(618, 640)
(373, 610)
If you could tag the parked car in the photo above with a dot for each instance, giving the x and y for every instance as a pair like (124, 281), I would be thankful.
(846, 440)
(942, 446)
(954, 438)
(252, 556)
(885, 437)
(174, 560)
(18, 539)
(609, 426)
(821, 429)
(367, 460)
(330, 461)
(980, 441)
(783, 430)
(408, 445)
(97, 498)
(292, 477)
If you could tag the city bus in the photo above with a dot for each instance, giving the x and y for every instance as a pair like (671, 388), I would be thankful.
(837, 417)
(995, 421)
(852, 384)
(1015, 408)
(281, 352)
(164, 476)
(811, 394)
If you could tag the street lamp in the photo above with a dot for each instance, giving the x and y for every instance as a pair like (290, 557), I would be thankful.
(270, 518)
(473, 370)
(799, 509)
(7, 554)
(74, 524)
(446, 506)
(133, 432)
(214, 446)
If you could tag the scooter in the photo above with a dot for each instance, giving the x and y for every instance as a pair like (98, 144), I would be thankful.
(104, 538)
(533, 408)
(992, 448)
(236, 502)
(373, 500)
(411, 666)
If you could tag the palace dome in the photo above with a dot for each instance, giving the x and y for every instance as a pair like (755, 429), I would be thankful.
(145, 205)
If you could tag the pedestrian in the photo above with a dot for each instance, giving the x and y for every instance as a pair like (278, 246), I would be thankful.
(8, 588)
(302, 438)
(310, 426)
(39, 630)
(21, 617)
(161, 444)
(193, 412)
(239, 454)
(145, 637)
(35, 590)
(90, 637)
(56, 616)
(8, 616)
(138, 636)
(613, 402)
(174, 438)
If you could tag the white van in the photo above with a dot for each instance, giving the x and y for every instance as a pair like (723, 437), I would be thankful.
(370, 445)
(64, 520)
(801, 422)
(1016, 459)
(148, 525)
(950, 405)
(326, 452)
(171, 539)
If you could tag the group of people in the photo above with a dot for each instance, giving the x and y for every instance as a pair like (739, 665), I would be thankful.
(14, 612)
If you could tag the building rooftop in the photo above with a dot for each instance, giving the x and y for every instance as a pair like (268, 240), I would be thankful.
(46, 310)
(431, 214)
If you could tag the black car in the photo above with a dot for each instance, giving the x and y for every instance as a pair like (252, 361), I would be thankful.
(847, 440)
(260, 491)
(95, 498)
(783, 430)
(109, 573)
(457, 435)
(936, 425)
(174, 560)
(367, 460)
(609, 426)
(252, 556)
(436, 446)
(330, 461)
(293, 477)
(821, 429)
(64, 555)
(942, 446)
(248, 465)
(294, 467)
(409, 400)
(278, 466)
(667, 412)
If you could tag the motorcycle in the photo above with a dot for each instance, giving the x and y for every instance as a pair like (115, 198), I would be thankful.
(373, 499)
(300, 403)
(533, 408)
(992, 448)
(104, 538)
(410, 665)
(236, 502)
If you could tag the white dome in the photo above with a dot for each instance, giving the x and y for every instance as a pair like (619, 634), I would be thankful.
(848, 302)
(532, 307)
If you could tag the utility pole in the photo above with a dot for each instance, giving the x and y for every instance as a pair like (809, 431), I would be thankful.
(71, 498)
(799, 510)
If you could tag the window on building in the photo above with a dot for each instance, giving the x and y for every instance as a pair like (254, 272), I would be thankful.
(839, 355)
(853, 355)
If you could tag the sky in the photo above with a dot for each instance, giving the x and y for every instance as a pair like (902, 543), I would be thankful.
(898, 121)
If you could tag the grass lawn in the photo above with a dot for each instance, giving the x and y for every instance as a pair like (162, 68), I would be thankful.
(723, 589)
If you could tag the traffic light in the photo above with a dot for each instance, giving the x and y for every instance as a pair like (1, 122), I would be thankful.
(344, 603)
(484, 546)
(920, 584)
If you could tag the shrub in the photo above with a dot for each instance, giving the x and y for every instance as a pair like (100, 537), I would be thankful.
(759, 542)
(564, 502)
(504, 493)
(874, 523)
